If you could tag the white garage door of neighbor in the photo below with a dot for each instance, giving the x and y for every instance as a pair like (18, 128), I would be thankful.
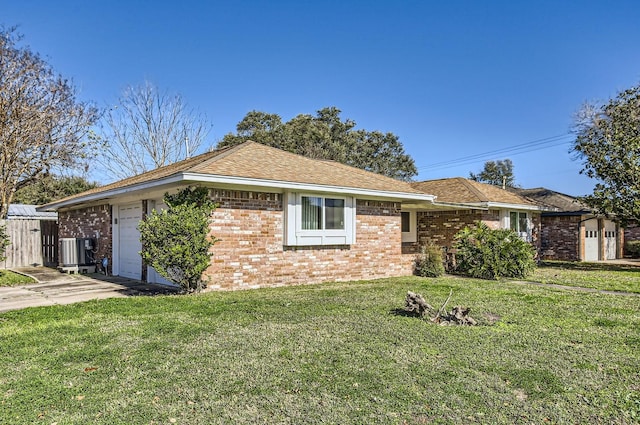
(130, 262)
(610, 236)
(591, 240)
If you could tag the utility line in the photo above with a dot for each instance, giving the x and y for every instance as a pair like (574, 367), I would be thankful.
(546, 140)
(534, 145)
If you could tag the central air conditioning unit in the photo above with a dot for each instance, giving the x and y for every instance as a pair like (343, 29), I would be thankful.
(76, 251)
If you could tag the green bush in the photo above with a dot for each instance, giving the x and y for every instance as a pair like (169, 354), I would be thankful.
(491, 254)
(176, 241)
(4, 242)
(430, 262)
(632, 248)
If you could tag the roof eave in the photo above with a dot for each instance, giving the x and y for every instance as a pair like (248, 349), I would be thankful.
(503, 205)
(92, 197)
(187, 177)
(487, 205)
(308, 187)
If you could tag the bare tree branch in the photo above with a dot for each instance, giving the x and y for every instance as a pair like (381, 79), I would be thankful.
(148, 129)
(42, 125)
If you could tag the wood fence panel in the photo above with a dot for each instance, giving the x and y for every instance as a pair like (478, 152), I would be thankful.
(33, 243)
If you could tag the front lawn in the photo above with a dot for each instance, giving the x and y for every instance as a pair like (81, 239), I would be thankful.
(9, 278)
(602, 276)
(336, 353)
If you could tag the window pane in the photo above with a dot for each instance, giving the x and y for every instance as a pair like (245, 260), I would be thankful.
(513, 221)
(334, 211)
(522, 223)
(406, 222)
(311, 213)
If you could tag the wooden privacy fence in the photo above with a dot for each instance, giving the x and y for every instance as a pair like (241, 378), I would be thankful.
(33, 243)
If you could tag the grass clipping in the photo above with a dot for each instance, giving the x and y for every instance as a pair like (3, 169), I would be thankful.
(416, 304)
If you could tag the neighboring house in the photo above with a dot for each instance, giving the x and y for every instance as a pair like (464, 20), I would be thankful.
(461, 202)
(281, 218)
(33, 236)
(571, 231)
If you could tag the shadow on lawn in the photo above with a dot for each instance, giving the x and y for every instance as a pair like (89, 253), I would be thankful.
(603, 266)
(403, 312)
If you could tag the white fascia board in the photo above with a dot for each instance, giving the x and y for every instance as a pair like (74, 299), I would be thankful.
(513, 206)
(461, 205)
(486, 206)
(239, 181)
(306, 187)
(54, 206)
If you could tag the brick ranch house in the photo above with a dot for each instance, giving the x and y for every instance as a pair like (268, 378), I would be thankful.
(572, 232)
(460, 203)
(281, 218)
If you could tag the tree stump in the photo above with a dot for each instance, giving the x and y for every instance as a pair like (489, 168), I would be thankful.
(415, 303)
(459, 316)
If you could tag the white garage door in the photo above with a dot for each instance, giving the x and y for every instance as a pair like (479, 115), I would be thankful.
(591, 240)
(610, 239)
(130, 262)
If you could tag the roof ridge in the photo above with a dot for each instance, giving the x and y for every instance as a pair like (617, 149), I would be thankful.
(471, 186)
(333, 162)
(220, 154)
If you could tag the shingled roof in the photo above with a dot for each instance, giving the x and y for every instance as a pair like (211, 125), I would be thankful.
(458, 190)
(252, 163)
(554, 201)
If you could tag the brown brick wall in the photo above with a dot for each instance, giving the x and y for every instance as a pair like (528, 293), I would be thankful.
(440, 227)
(251, 253)
(561, 238)
(631, 233)
(84, 223)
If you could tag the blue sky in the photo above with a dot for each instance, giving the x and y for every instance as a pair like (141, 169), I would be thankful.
(453, 79)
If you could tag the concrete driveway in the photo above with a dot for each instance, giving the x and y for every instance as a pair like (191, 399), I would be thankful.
(56, 288)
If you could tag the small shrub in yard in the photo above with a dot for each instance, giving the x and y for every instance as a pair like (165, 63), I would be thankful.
(632, 248)
(4, 242)
(430, 262)
(176, 241)
(490, 254)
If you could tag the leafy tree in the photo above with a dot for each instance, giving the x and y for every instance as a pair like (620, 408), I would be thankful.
(51, 187)
(608, 143)
(497, 173)
(327, 136)
(42, 125)
(491, 254)
(148, 129)
(176, 241)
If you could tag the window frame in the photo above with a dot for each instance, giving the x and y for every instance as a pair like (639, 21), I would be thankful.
(296, 235)
(524, 235)
(412, 235)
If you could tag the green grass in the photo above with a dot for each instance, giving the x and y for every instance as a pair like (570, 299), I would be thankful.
(9, 278)
(338, 353)
(601, 276)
